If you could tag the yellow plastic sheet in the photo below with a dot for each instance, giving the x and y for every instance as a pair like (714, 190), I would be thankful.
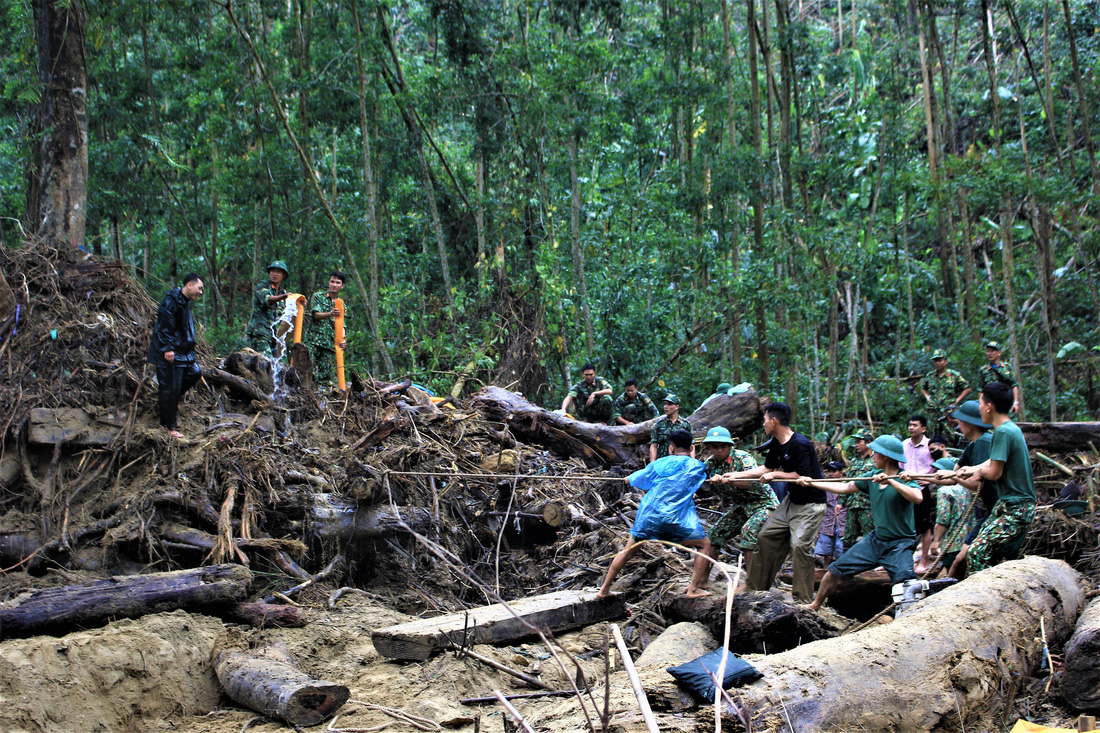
(1023, 726)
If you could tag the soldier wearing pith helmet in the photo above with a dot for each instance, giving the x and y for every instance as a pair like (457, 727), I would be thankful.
(265, 311)
(943, 389)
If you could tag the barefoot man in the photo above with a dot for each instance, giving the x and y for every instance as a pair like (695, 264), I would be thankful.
(667, 511)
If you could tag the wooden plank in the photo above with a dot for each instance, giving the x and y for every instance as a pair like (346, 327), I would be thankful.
(73, 426)
(495, 624)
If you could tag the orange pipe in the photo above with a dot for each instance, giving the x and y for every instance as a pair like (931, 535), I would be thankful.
(338, 306)
(301, 302)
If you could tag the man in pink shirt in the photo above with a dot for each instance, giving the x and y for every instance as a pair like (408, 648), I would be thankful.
(918, 460)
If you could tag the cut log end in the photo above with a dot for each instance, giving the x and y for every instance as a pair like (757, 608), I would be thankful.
(312, 704)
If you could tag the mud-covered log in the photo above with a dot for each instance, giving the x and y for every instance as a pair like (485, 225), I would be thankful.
(605, 444)
(268, 681)
(1060, 437)
(253, 367)
(337, 517)
(954, 662)
(1081, 681)
(268, 615)
(93, 603)
(238, 388)
(763, 621)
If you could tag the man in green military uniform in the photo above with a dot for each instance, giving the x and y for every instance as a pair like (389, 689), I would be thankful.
(592, 397)
(658, 441)
(632, 406)
(748, 503)
(1009, 464)
(267, 299)
(859, 521)
(943, 389)
(322, 332)
(995, 371)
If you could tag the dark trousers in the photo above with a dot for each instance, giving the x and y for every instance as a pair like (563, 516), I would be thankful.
(173, 381)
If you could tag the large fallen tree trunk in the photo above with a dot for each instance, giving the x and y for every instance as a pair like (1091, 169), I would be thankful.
(1081, 681)
(763, 621)
(953, 663)
(1061, 437)
(605, 444)
(94, 603)
(268, 681)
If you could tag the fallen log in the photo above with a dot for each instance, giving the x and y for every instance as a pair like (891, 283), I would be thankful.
(237, 387)
(252, 367)
(1061, 437)
(334, 517)
(496, 624)
(955, 661)
(268, 681)
(763, 621)
(1081, 680)
(96, 602)
(599, 444)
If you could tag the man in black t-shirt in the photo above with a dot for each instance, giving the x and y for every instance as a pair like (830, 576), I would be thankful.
(793, 526)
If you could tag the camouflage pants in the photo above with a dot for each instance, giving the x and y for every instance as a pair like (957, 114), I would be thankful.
(324, 366)
(598, 411)
(744, 518)
(262, 344)
(1001, 535)
(857, 524)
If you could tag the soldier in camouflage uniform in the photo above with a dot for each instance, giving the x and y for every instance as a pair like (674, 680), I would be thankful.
(658, 441)
(995, 371)
(859, 521)
(322, 332)
(632, 406)
(954, 518)
(591, 396)
(944, 389)
(749, 503)
(267, 299)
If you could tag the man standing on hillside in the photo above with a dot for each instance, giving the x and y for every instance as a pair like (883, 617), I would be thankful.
(322, 333)
(943, 388)
(632, 406)
(795, 523)
(658, 441)
(591, 395)
(995, 371)
(172, 350)
(265, 311)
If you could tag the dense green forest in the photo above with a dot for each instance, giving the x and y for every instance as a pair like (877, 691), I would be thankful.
(810, 197)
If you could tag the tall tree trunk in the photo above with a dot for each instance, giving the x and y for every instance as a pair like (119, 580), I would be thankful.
(366, 125)
(571, 144)
(734, 248)
(1082, 99)
(757, 191)
(57, 196)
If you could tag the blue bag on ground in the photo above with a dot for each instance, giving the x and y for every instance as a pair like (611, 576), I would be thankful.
(698, 675)
(667, 511)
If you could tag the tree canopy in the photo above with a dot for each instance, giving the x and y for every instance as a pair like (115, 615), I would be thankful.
(810, 197)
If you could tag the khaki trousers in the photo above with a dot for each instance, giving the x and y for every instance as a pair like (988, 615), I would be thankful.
(791, 529)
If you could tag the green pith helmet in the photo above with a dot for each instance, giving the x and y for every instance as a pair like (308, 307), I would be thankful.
(723, 388)
(969, 412)
(718, 435)
(996, 346)
(863, 435)
(890, 447)
(939, 354)
(279, 265)
(945, 464)
(670, 397)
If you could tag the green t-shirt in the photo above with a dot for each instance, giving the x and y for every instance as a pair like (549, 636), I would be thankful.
(975, 454)
(1016, 483)
(892, 512)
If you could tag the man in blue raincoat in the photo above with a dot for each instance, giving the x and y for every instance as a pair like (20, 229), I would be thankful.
(667, 511)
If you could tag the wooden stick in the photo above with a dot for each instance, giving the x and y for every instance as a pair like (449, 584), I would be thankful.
(1054, 463)
(514, 713)
(519, 696)
(507, 670)
(635, 682)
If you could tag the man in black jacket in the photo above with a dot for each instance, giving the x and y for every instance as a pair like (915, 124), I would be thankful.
(172, 349)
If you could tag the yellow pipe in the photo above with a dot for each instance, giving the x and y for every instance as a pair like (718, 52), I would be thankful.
(300, 300)
(338, 306)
